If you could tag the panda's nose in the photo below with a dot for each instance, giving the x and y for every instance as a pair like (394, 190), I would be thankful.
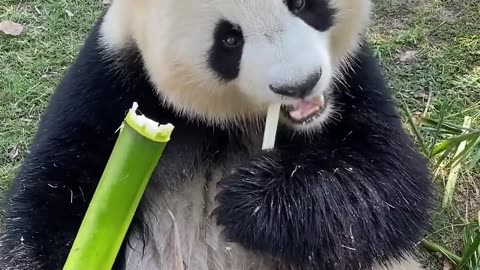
(299, 90)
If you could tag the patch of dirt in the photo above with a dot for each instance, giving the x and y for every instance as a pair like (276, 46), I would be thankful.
(448, 16)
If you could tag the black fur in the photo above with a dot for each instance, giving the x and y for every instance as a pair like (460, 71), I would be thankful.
(355, 193)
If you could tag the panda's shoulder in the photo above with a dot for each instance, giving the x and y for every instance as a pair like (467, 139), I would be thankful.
(364, 85)
(365, 72)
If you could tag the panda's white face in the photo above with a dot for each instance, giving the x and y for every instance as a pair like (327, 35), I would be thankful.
(225, 61)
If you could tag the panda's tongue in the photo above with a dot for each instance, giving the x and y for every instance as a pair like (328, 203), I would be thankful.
(306, 109)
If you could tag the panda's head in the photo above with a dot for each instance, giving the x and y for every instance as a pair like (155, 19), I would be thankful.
(225, 61)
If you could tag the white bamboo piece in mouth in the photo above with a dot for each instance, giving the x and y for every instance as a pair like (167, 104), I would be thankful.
(271, 124)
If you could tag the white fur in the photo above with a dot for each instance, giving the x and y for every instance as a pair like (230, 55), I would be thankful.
(201, 245)
(407, 264)
(174, 37)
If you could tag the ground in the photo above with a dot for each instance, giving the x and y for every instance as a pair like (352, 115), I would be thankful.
(430, 51)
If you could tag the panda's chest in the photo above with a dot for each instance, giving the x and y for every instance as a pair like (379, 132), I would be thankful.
(181, 234)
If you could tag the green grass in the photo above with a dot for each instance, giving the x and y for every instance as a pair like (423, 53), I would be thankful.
(31, 66)
(443, 34)
(442, 81)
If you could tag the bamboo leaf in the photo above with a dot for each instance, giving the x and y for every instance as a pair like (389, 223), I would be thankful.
(443, 157)
(465, 153)
(455, 141)
(453, 174)
(414, 128)
(471, 256)
(446, 127)
(441, 132)
(437, 130)
(475, 160)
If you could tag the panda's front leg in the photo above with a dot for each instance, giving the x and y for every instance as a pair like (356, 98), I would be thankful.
(339, 203)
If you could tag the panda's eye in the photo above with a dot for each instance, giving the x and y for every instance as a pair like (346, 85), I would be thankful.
(232, 40)
(296, 5)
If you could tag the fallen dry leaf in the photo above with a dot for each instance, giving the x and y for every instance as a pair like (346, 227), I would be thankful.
(408, 57)
(11, 28)
(13, 153)
(69, 13)
(422, 94)
(447, 265)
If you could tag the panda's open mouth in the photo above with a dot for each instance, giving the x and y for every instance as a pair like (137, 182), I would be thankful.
(305, 111)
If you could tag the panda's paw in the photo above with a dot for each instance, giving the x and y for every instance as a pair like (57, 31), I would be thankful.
(251, 204)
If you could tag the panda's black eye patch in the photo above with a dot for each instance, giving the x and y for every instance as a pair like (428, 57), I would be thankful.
(316, 13)
(226, 52)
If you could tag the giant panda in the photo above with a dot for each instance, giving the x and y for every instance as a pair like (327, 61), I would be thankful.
(343, 188)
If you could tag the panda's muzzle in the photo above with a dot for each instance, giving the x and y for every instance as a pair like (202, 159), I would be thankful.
(300, 90)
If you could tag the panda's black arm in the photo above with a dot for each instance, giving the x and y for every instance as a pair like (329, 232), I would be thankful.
(352, 200)
(352, 195)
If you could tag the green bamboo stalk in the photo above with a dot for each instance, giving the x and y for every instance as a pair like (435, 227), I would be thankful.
(137, 150)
